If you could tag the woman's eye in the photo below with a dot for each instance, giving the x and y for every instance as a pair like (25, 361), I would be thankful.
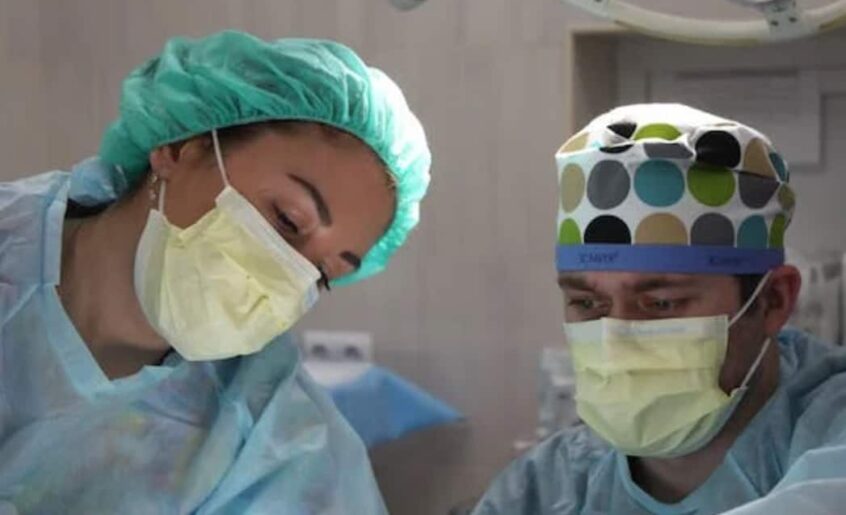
(286, 222)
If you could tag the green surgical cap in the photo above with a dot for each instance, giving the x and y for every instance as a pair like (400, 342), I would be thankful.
(233, 78)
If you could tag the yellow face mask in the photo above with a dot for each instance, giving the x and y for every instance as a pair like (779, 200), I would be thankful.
(225, 286)
(651, 388)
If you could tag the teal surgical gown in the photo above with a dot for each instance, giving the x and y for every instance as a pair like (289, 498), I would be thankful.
(245, 435)
(792, 454)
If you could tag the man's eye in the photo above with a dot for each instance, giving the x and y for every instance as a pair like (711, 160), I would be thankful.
(664, 305)
(584, 304)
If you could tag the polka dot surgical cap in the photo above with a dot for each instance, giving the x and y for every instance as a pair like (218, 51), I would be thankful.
(670, 189)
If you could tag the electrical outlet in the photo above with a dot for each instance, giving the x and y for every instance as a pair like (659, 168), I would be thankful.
(338, 345)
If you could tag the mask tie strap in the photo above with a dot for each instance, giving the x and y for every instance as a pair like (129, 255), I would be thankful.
(219, 156)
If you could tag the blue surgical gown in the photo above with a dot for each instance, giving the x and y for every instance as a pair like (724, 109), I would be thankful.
(245, 435)
(798, 437)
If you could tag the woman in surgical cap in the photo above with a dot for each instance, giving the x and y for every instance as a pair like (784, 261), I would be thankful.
(145, 295)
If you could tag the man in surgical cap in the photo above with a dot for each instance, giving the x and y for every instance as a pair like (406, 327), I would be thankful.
(694, 397)
(147, 294)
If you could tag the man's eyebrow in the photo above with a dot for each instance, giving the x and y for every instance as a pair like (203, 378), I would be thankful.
(322, 208)
(575, 283)
(656, 283)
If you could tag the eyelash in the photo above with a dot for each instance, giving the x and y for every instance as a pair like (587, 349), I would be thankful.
(582, 303)
(586, 306)
(286, 222)
(324, 279)
(669, 304)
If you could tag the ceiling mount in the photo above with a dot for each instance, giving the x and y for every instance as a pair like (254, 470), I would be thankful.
(780, 20)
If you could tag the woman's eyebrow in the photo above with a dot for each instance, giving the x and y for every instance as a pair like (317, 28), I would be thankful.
(317, 197)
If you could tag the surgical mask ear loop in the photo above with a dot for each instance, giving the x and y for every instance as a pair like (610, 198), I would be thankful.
(766, 344)
(751, 299)
(162, 190)
(755, 365)
(219, 156)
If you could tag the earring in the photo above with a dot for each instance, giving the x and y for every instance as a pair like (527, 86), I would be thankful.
(154, 192)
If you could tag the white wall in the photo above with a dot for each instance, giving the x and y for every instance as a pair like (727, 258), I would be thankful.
(818, 224)
(466, 306)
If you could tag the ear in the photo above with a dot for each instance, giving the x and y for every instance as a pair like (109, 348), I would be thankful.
(780, 297)
(165, 160)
